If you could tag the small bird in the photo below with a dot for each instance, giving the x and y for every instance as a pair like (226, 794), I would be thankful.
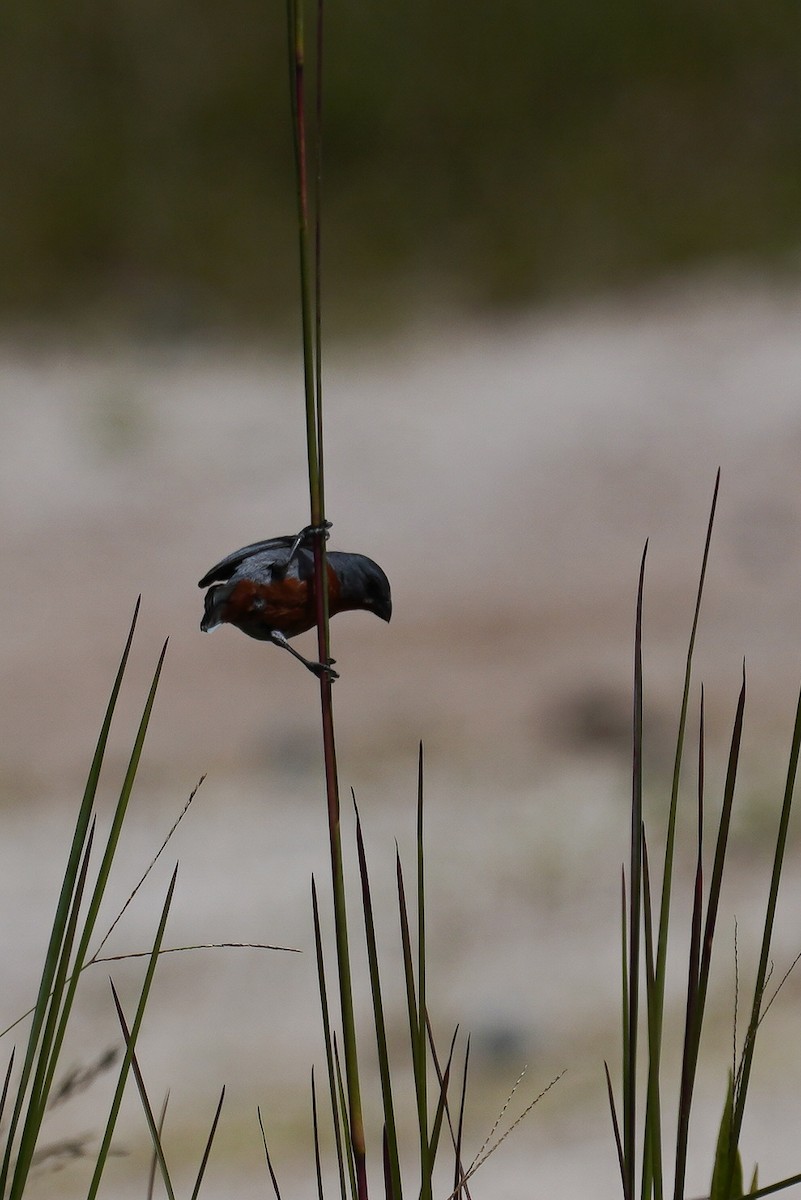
(267, 590)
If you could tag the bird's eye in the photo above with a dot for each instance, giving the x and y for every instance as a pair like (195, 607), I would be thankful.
(257, 602)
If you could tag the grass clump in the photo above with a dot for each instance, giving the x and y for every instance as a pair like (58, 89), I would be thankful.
(645, 1162)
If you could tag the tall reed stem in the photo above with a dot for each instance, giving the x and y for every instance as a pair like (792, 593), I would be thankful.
(307, 151)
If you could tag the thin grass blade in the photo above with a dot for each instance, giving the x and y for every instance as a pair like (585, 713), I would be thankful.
(151, 1178)
(392, 1157)
(329, 1053)
(207, 1149)
(692, 1020)
(104, 870)
(143, 1096)
(635, 901)
(273, 1177)
(767, 933)
(126, 1061)
(670, 835)
(408, 967)
(343, 1107)
(318, 1167)
(652, 1183)
(701, 953)
(455, 1137)
(64, 902)
(442, 1102)
(420, 1057)
(460, 1186)
(6, 1082)
(727, 1176)
(37, 1102)
(616, 1130)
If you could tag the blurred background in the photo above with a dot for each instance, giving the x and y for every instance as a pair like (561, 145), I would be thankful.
(487, 161)
(561, 279)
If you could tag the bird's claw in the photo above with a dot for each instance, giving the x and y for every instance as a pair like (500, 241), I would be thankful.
(326, 668)
(309, 531)
(303, 538)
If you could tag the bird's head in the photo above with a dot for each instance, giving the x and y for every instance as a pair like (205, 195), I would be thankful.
(363, 584)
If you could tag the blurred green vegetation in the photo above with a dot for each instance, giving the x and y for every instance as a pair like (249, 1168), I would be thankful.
(486, 155)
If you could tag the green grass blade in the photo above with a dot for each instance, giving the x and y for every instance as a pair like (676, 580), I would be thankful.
(6, 1082)
(635, 901)
(392, 1157)
(151, 1176)
(273, 1177)
(721, 846)
(455, 1137)
(771, 1189)
(652, 1138)
(126, 1061)
(64, 902)
(343, 1107)
(40, 1088)
(704, 953)
(767, 933)
(207, 1149)
(670, 836)
(727, 1173)
(459, 1185)
(616, 1128)
(318, 1166)
(421, 1058)
(692, 1020)
(408, 967)
(442, 1103)
(329, 1053)
(143, 1096)
(389, 1190)
(104, 870)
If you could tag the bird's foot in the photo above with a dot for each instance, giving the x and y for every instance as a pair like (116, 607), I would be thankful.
(304, 538)
(326, 668)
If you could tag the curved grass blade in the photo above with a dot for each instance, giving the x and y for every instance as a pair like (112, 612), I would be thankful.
(273, 1178)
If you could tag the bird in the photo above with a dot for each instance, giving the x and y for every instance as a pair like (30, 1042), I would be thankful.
(267, 590)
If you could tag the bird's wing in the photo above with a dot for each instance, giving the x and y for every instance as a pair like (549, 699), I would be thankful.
(225, 568)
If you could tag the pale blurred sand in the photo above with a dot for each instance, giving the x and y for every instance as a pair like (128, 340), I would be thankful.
(506, 477)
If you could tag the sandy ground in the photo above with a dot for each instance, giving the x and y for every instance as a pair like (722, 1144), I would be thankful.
(506, 477)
